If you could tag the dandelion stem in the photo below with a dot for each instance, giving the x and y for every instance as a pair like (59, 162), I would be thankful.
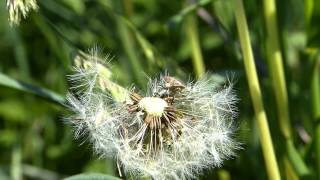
(192, 33)
(265, 137)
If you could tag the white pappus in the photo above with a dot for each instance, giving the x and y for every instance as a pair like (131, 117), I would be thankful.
(173, 131)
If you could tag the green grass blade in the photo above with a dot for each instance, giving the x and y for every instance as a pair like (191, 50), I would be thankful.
(193, 38)
(279, 84)
(296, 160)
(276, 66)
(25, 87)
(254, 87)
(315, 92)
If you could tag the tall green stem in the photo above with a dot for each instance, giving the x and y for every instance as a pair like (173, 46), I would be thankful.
(279, 85)
(264, 132)
(315, 92)
(276, 67)
(192, 33)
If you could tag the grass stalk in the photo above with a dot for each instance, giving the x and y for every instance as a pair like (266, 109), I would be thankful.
(315, 92)
(254, 87)
(276, 67)
(193, 37)
(275, 62)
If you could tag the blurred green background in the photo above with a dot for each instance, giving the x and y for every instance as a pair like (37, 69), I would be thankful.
(146, 38)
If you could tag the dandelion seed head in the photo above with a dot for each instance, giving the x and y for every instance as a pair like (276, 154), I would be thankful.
(19, 9)
(173, 131)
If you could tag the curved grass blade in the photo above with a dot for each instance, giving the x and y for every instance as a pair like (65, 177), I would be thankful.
(297, 162)
(22, 86)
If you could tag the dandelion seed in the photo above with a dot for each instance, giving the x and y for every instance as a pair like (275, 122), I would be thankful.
(173, 131)
(20, 9)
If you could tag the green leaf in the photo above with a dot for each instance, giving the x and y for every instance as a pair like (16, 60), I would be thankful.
(25, 87)
(92, 176)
